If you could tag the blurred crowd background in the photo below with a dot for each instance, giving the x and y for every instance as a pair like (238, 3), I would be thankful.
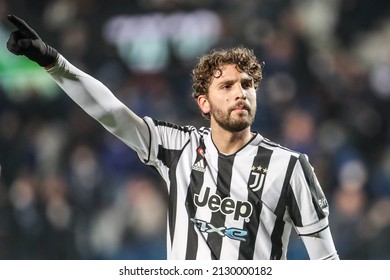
(70, 190)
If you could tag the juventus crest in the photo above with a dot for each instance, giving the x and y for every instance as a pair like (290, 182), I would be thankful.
(256, 179)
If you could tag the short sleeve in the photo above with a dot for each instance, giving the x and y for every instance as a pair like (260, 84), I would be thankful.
(308, 207)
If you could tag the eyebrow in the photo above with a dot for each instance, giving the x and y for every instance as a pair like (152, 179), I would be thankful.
(247, 79)
(227, 80)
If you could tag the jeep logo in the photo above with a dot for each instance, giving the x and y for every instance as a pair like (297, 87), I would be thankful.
(227, 206)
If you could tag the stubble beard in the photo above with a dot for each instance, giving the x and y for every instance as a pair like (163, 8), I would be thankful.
(237, 123)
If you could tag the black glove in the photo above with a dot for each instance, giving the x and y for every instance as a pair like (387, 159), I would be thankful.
(25, 41)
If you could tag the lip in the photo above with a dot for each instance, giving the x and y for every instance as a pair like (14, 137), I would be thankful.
(240, 108)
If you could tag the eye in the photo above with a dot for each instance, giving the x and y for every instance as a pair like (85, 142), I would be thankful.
(226, 86)
(247, 84)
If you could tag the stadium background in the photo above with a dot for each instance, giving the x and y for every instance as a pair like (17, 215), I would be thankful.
(70, 190)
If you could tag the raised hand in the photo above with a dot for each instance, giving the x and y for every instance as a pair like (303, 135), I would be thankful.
(25, 41)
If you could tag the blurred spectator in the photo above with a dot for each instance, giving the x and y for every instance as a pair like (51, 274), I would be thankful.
(349, 206)
(59, 235)
(374, 232)
(380, 186)
(133, 227)
(28, 226)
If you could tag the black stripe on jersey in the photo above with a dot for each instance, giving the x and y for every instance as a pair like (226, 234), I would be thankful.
(196, 182)
(203, 131)
(170, 158)
(314, 233)
(167, 124)
(277, 232)
(275, 145)
(260, 164)
(293, 208)
(225, 167)
(315, 189)
(150, 142)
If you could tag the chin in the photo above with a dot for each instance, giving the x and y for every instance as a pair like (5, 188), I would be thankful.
(239, 126)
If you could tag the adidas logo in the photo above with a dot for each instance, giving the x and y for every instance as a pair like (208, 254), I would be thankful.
(199, 166)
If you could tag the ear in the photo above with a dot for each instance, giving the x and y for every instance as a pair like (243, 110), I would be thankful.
(203, 104)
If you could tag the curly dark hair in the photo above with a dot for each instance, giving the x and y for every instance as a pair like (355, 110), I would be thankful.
(209, 66)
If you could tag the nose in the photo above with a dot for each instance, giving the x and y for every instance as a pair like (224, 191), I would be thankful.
(241, 93)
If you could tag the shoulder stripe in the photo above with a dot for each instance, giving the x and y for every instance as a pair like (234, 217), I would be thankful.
(271, 144)
(318, 196)
(187, 128)
(203, 131)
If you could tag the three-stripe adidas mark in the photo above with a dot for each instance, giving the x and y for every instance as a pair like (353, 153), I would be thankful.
(199, 166)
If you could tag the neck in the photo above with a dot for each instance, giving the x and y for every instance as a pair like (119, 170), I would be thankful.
(228, 142)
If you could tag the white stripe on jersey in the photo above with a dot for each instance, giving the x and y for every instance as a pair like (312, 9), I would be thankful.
(262, 190)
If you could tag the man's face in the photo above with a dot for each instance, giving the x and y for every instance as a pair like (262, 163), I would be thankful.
(231, 100)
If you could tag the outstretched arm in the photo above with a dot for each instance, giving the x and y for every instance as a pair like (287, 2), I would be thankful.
(90, 94)
(101, 104)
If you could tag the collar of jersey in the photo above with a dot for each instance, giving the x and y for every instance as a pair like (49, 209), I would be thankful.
(246, 150)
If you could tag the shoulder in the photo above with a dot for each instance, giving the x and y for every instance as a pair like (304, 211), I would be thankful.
(163, 125)
(298, 159)
(268, 144)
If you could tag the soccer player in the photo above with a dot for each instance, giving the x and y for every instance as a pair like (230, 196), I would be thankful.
(233, 194)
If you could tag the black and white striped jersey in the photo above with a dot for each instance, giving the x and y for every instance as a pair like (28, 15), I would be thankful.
(239, 206)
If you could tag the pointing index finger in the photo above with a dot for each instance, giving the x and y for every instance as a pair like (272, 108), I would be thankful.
(22, 25)
(19, 23)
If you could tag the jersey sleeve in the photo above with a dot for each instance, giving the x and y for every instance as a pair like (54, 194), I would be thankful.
(309, 210)
(308, 207)
(167, 141)
(101, 104)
